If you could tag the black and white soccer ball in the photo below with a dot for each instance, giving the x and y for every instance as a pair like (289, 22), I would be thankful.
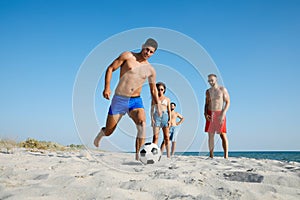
(150, 153)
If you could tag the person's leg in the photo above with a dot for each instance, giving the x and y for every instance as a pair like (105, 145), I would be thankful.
(155, 134)
(173, 138)
(211, 144)
(166, 140)
(173, 148)
(139, 118)
(162, 146)
(111, 124)
(224, 144)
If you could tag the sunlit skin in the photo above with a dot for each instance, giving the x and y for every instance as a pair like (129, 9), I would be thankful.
(217, 99)
(162, 107)
(134, 71)
(173, 122)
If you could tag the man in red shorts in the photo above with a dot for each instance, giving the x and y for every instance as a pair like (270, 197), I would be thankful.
(217, 102)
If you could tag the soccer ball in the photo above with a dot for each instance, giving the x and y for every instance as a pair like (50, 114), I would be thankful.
(150, 153)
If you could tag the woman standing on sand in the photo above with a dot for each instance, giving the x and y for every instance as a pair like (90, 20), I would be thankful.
(163, 120)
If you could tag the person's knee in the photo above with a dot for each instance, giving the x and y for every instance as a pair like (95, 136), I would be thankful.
(155, 136)
(107, 131)
(223, 136)
(141, 128)
(166, 140)
(141, 122)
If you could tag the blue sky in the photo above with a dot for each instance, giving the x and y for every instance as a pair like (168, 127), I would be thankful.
(254, 44)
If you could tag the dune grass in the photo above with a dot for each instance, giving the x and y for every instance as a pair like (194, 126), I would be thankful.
(8, 145)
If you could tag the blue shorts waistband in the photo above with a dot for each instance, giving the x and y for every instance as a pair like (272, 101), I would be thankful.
(127, 96)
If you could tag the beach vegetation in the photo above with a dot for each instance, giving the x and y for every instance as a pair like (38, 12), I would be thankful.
(31, 144)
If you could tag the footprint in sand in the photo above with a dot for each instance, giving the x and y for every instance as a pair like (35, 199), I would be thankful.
(41, 177)
(244, 177)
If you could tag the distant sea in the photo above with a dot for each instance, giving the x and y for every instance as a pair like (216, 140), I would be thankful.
(285, 156)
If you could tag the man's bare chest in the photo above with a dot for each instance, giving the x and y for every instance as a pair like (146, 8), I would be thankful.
(134, 69)
(216, 94)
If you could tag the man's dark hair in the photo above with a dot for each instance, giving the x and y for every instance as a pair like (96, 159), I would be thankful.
(151, 42)
(209, 75)
(173, 104)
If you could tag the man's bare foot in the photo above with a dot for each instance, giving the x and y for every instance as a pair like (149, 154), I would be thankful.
(98, 138)
(137, 156)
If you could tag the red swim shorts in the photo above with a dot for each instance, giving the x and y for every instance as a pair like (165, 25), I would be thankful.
(214, 124)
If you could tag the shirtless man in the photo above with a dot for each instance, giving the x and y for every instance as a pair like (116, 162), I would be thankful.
(135, 69)
(217, 102)
(173, 128)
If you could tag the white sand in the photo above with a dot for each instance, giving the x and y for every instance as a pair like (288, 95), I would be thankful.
(98, 175)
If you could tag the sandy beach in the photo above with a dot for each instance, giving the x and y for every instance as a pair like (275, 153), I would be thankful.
(87, 174)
